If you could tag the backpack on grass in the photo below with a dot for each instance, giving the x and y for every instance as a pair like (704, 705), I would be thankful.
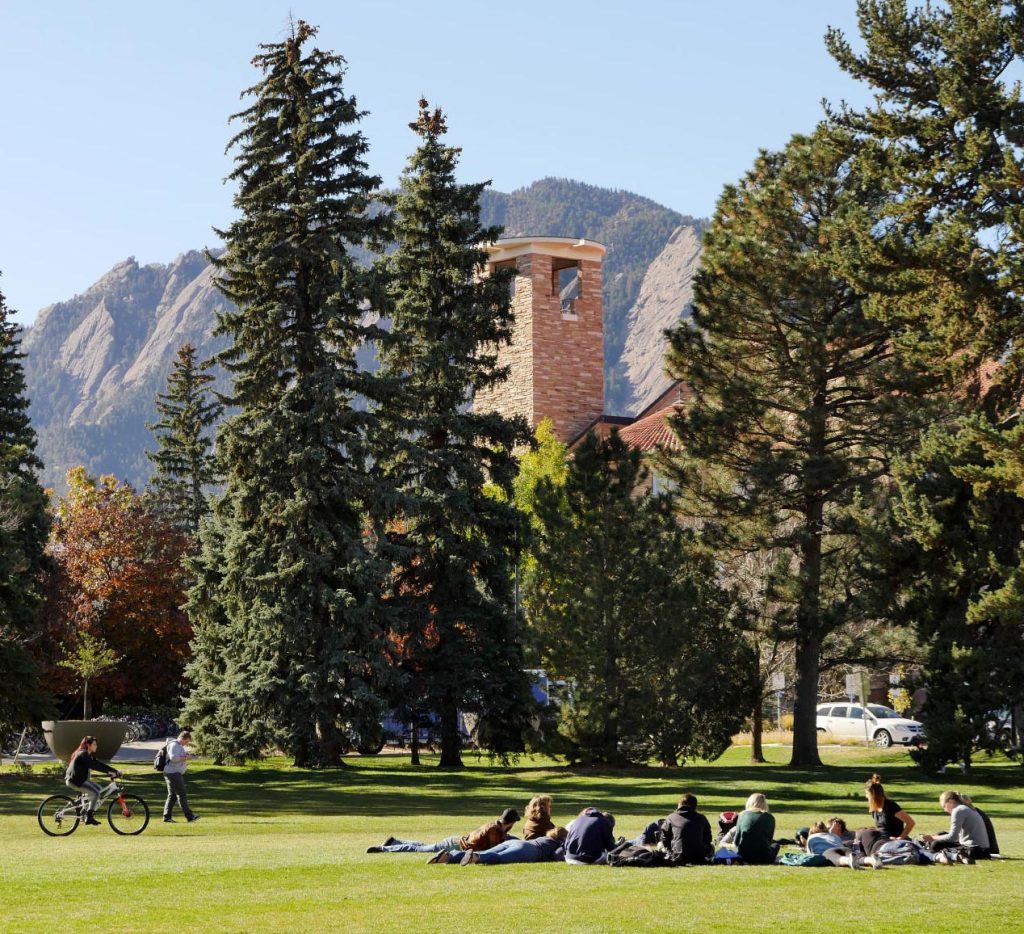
(161, 758)
(803, 859)
(641, 856)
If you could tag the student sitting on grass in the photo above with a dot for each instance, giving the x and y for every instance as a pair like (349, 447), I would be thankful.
(890, 819)
(967, 837)
(686, 834)
(589, 837)
(483, 838)
(755, 832)
(537, 817)
(545, 848)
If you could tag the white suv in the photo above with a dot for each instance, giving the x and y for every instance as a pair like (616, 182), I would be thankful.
(873, 723)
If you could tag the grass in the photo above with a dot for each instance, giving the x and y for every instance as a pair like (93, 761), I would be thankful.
(279, 849)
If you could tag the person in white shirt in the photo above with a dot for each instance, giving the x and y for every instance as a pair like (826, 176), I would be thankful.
(174, 775)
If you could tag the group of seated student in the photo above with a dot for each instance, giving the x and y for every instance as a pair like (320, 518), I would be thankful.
(969, 838)
(685, 837)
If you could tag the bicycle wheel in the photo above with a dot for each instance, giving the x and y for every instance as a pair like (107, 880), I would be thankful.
(57, 816)
(131, 819)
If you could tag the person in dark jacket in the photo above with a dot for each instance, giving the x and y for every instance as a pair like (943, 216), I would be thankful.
(589, 837)
(83, 760)
(686, 834)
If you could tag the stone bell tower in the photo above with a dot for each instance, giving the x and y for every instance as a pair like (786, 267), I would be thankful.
(556, 357)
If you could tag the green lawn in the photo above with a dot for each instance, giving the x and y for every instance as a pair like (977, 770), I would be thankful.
(283, 850)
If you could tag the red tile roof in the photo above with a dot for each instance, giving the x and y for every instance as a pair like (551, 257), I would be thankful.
(651, 429)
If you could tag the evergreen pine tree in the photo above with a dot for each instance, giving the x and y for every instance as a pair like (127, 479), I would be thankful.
(626, 608)
(183, 461)
(943, 138)
(797, 405)
(949, 555)
(453, 542)
(287, 589)
(24, 523)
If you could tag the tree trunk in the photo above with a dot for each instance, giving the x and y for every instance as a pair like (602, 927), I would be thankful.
(805, 705)
(451, 742)
(808, 619)
(756, 731)
(414, 745)
(85, 700)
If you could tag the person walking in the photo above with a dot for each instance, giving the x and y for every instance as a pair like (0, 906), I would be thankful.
(174, 776)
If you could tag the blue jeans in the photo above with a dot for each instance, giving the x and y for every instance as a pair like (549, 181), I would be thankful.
(411, 846)
(511, 851)
(650, 835)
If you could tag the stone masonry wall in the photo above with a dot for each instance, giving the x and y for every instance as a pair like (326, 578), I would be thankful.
(556, 358)
(515, 395)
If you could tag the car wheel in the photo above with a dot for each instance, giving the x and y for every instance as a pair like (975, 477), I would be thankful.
(883, 739)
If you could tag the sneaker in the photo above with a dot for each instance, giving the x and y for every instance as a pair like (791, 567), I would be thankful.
(375, 849)
(855, 861)
(170, 820)
(875, 862)
(442, 857)
(468, 858)
(965, 858)
(390, 841)
(193, 818)
(91, 820)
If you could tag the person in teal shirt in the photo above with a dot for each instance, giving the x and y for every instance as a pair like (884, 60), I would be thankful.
(755, 832)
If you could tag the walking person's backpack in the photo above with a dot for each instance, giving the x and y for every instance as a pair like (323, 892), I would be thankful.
(161, 757)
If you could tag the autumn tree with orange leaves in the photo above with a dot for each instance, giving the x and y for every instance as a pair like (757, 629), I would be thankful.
(117, 575)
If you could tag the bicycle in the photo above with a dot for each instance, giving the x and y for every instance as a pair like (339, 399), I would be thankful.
(128, 815)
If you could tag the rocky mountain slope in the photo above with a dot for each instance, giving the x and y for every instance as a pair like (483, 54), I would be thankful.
(96, 362)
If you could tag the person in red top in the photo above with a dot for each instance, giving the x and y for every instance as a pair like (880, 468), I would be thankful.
(83, 760)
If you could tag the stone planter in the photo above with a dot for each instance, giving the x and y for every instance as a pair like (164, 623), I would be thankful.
(63, 736)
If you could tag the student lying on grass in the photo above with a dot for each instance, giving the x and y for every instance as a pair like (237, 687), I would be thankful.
(546, 848)
(483, 838)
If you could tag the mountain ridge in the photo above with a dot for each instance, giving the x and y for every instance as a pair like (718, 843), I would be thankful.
(95, 362)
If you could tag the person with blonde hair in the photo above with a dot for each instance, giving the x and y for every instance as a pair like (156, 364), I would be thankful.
(755, 832)
(537, 817)
(966, 835)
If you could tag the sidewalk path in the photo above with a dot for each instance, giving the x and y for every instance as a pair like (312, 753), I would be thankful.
(129, 752)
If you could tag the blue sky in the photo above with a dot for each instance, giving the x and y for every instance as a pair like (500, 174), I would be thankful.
(113, 115)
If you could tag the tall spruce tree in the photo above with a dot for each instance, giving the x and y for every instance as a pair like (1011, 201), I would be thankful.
(24, 524)
(797, 406)
(625, 607)
(287, 589)
(452, 541)
(183, 462)
(945, 139)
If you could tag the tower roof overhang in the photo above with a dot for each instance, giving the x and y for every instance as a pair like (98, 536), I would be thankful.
(573, 248)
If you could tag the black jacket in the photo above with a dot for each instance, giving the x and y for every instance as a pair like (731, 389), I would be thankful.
(79, 766)
(687, 836)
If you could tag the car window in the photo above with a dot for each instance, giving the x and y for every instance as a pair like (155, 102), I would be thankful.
(838, 711)
(884, 713)
(856, 713)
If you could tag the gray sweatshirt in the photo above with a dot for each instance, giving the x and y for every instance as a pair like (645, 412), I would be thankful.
(966, 828)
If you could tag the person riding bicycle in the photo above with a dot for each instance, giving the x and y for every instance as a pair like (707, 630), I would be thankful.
(77, 776)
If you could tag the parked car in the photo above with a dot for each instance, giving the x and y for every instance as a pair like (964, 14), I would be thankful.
(1000, 727)
(871, 723)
